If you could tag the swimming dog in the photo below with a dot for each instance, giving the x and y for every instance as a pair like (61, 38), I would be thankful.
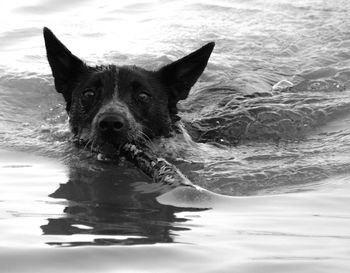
(110, 105)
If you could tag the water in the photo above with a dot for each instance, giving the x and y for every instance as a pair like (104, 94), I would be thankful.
(278, 157)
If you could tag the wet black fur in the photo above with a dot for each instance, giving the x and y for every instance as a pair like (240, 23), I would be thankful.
(145, 101)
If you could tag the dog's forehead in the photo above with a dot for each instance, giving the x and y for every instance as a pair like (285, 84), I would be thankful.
(131, 75)
(121, 80)
(133, 72)
(101, 76)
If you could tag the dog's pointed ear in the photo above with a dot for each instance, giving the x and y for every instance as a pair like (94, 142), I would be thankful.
(64, 65)
(182, 74)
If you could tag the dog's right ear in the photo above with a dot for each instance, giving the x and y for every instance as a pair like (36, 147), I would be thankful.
(64, 65)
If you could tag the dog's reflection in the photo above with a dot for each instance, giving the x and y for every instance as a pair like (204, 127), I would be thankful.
(112, 206)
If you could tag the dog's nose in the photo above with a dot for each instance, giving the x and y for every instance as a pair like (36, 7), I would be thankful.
(112, 123)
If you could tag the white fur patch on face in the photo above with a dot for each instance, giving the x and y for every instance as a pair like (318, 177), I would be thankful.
(116, 82)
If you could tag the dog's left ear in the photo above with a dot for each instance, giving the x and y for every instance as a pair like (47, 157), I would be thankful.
(182, 74)
(64, 65)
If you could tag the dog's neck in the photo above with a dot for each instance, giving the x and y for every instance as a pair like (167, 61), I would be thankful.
(180, 145)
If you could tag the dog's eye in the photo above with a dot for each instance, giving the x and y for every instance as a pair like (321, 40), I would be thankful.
(144, 97)
(89, 93)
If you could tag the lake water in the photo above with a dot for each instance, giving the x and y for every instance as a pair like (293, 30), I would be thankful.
(278, 161)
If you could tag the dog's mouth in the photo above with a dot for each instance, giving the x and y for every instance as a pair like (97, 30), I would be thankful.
(107, 147)
(104, 151)
(108, 152)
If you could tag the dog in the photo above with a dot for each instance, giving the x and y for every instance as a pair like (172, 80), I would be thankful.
(110, 105)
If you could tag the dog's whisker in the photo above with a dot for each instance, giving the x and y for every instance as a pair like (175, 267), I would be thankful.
(146, 140)
(92, 144)
(87, 144)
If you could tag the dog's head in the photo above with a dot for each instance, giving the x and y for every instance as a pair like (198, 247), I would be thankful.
(110, 105)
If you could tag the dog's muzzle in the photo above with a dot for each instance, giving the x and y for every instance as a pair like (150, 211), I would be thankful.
(112, 128)
(112, 124)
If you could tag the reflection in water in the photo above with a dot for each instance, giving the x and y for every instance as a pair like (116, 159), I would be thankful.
(113, 206)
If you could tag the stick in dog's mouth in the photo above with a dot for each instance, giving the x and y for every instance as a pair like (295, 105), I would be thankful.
(160, 170)
(108, 153)
(105, 152)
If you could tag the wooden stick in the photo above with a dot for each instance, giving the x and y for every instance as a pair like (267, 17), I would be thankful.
(160, 170)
